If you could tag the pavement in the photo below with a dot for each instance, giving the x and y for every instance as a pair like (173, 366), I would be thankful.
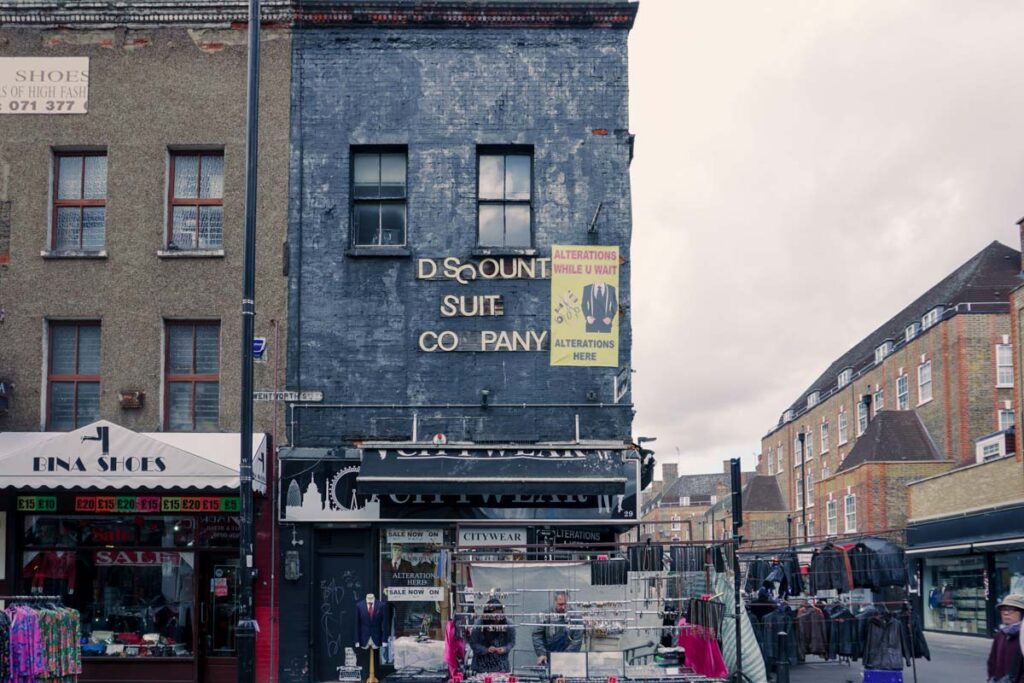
(955, 659)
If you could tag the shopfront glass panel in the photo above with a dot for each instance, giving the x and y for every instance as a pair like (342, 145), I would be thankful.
(414, 569)
(955, 594)
(125, 574)
(1009, 576)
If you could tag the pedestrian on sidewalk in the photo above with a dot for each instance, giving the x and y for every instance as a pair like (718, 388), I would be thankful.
(1005, 660)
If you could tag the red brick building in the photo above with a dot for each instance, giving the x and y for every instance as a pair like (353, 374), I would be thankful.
(838, 452)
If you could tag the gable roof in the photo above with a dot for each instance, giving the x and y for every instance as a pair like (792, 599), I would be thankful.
(893, 435)
(693, 485)
(762, 494)
(986, 277)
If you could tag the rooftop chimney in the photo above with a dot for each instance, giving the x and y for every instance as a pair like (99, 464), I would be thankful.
(669, 473)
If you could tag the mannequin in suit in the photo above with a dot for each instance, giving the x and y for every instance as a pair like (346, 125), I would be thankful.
(371, 622)
(600, 306)
(371, 630)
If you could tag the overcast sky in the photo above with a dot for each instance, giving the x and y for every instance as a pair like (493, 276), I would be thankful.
(803, 170)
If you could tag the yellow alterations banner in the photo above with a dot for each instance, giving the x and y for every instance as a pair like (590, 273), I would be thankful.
(585, 306)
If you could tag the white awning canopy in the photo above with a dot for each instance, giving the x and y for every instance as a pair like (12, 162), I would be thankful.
(133, 460)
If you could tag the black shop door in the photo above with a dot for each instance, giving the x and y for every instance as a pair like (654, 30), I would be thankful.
(341, 579)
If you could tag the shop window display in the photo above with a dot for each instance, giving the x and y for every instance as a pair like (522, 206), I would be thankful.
(125, 575)
(413, 576)
(955, 590)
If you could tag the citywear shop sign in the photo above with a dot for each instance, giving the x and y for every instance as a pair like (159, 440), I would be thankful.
(326, 490)
(496, 537)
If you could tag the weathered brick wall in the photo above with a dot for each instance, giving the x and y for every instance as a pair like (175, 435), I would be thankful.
(992, 483)
(149, 90)
(355, 321)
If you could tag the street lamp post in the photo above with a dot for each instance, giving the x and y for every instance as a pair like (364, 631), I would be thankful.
(802, 437)
(789, 531)
(245, 631)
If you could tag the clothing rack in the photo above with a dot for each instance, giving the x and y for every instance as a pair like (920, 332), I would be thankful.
(34, 598)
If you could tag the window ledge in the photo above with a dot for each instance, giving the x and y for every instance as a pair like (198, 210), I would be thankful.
(921, 403)
(190, 253)
(377, 252)
(504, 251)
(70, 253)
(1004, 386)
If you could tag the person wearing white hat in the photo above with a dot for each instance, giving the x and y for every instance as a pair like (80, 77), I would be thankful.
(1006, 659)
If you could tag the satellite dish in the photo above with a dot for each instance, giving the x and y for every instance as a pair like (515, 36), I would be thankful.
(439, 439)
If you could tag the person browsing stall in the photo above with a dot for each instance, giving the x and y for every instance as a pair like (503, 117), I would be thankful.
(555, 635)
(492, 640)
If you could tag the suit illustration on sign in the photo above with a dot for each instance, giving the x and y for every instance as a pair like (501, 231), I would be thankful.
(599, 305)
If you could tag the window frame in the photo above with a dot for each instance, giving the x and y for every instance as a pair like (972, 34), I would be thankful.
(506, 151)
(824, 437)
(197, 202)
(76, 378)
(81, 203)
(1004, 365)
(812, 399)
(1001, 417)
(844, 377)
(354, 201)
(862, 418)
(831, 518)
(771, 461)
(921, 400)
(883, 350)
(798, 493)
(912, 330)
(878, 399)
(903, 397)
(194, 378)
(809, 484)
(843, 428)
(850, 500)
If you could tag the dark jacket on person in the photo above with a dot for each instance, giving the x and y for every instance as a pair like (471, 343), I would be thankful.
(1005, 663)
(492, 633)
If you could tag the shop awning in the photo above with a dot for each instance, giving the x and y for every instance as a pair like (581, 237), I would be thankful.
(454, 470)
(128, 459)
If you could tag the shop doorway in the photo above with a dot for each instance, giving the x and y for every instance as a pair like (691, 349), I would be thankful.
(218, 590)
(341, 579)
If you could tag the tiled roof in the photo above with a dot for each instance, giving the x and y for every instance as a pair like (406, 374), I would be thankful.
(987, 277)
(693, 485)
(762, 494)
(891, 436)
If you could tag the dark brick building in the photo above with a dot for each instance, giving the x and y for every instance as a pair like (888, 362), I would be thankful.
(440, 152)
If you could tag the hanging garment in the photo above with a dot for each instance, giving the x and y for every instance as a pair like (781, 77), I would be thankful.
(687, 558)
(5, 646)
(454, 648)
(812, 638)
(883, 641)
(843, 639)
(703, 654)
(645, 558)
(26, 646)
(611, 572)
